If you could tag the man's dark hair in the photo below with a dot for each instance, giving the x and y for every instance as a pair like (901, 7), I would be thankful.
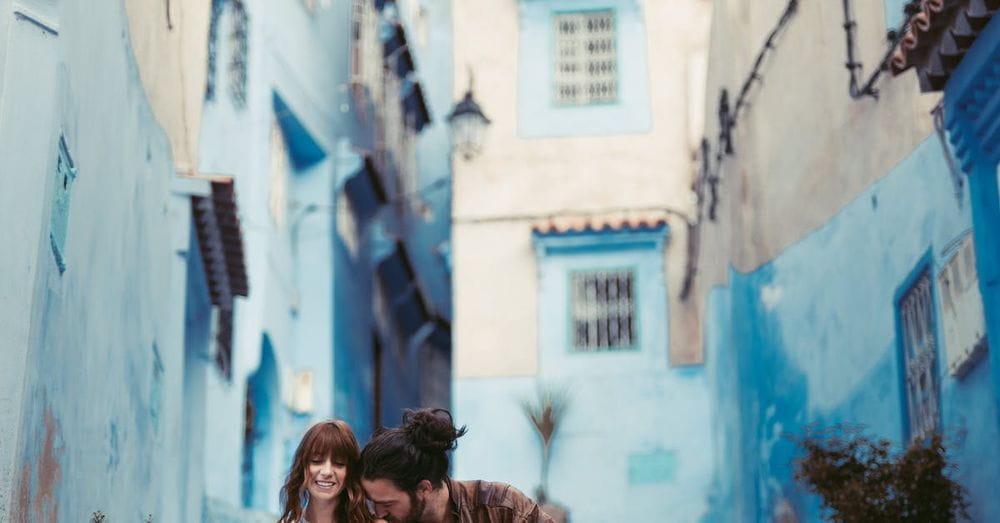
(414, 451)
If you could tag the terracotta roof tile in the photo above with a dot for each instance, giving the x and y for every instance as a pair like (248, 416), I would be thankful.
(221, 242)
(937, 37)
(600, 222)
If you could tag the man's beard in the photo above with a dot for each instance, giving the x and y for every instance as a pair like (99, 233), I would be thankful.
(416, 510)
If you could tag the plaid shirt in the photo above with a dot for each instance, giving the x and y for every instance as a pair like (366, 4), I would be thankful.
(487, 502)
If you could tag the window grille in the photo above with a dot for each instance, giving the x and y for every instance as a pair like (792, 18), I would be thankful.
(920, 355)
(213, 47)
(240, 50)
(586, 64)
(603, 310)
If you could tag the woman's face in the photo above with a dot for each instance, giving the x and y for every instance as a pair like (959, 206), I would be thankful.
(325, 477)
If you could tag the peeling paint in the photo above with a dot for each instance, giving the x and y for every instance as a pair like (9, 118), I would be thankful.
(40, 476)
(49, 472)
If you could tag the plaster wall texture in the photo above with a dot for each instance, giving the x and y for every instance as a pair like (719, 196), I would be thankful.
(517, 180)
(289, 257)
(101, 384)
(170, 43)
(28, 145)
(801, 133)
(828, 352)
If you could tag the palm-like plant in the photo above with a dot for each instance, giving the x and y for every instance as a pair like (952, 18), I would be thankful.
(546, 413)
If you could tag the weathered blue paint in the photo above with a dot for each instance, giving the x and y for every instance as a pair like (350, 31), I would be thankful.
(98, 350)
(637, 426)
(811, 338)
(972, 108)
(263, 428)
(538, 117)
(158, 412)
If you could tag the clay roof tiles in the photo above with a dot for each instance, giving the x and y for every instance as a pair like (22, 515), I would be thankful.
(937, 36)
(595, 223)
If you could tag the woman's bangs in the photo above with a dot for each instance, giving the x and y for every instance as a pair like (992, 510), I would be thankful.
(330, 440)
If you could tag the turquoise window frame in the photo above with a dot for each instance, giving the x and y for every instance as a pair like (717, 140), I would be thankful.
(65, 175)
(925, 265)
(539, 117)
(552, 58)
(636, 345)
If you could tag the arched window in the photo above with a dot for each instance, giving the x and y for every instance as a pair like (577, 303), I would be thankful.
(261, 476)
(232, 15)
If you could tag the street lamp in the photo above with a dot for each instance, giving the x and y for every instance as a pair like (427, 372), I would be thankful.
(468, 125)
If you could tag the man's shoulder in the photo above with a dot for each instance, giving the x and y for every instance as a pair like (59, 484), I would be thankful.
(494, 494)
(501, 500)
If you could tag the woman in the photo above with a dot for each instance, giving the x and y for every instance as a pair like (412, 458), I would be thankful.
(322, 485)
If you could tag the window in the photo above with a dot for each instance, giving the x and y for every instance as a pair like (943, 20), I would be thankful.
(278, 176)
(585, 58)
(238, 50)
(962, 322)
(59, 219)
(919, 333)
(603, 310)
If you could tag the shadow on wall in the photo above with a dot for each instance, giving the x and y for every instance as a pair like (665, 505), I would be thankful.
(774, 399)
(259, 437)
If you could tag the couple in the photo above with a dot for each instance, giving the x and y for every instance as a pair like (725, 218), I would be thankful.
(403, 473)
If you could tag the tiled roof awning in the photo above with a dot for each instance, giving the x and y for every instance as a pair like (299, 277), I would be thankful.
(217, 225)
(598, 223)
(972, 103)
(365, 190)
(394, 45)
(937, 37)
(407, 302)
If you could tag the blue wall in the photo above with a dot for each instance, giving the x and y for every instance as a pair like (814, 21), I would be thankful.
(637, 437)
(811, 337)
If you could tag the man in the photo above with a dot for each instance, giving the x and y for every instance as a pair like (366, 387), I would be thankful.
(404, 472)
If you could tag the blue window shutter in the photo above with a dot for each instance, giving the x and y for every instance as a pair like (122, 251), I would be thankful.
(59, 219)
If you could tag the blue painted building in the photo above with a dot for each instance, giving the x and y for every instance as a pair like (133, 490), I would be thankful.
(181, 309)
(844, 269)
(568, 236)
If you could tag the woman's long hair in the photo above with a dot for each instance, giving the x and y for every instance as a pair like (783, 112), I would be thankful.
(333, 439)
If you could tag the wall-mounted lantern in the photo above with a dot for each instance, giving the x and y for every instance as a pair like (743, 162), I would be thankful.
(468, 125)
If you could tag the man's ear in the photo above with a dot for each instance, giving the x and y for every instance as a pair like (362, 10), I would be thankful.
(424, 488)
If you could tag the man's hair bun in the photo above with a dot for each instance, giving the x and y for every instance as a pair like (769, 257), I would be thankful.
(431, 430)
